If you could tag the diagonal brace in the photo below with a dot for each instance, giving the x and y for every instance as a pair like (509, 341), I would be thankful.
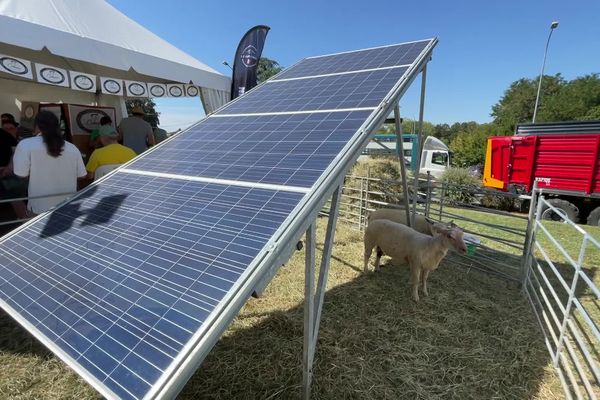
(313, 300)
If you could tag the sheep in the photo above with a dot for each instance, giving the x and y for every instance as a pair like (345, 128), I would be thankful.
(421, 252)
(422, 223)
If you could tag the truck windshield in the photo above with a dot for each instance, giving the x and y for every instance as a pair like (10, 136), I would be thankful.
(439, 158)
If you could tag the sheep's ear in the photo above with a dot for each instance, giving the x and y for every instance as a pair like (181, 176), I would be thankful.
(429, 221)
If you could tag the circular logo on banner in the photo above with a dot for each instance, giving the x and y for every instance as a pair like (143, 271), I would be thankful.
(52, 75)
(29, 111)
(112, 86)
(175, 91)
(136, 89)
(83, 82)
(249, 56)
(13, 65)
(89, 119)
(192, 91)
(157, 91)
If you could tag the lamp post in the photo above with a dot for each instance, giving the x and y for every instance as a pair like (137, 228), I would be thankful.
(553, 25)
(227, 64)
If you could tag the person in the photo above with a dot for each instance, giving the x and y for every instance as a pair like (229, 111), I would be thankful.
(111, 152)
(8, 141)
(51, 164)
(95, 134)
(135, 132)
(11, 186)
(9, 118)
(159, 134)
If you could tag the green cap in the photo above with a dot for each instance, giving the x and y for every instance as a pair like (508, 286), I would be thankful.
(108, 131)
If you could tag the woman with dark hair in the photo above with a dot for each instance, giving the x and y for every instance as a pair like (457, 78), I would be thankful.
(51, 164)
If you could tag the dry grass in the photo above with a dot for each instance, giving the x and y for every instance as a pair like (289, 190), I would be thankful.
(473, 338)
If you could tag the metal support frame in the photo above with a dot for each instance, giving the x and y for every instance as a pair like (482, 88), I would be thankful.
(420, 150)
(313, 300)
(400, 141)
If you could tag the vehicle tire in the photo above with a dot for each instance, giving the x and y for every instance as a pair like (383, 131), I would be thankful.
(566, 207)
(594, 217)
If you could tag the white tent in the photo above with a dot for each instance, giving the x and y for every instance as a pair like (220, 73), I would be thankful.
(91, 36)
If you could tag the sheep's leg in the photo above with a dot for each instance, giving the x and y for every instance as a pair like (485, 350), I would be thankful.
(415, 277)
(425, 276)
(368, 251)
(378, 258)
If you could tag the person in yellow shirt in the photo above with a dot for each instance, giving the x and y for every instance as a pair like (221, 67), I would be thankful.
(111, 151)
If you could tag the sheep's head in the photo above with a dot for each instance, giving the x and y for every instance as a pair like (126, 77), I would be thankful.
(454, 235)
(437, 226)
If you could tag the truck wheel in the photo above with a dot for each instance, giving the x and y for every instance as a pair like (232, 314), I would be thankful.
(563, 205)
(594, 217)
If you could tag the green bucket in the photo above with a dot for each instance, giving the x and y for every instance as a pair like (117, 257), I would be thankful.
(471, 248)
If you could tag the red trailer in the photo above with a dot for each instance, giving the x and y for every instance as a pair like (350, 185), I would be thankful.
(564, 159)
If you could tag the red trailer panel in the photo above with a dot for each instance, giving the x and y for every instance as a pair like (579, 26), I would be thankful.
(564, 157)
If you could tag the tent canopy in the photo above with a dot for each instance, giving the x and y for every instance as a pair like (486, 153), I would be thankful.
(71, 30)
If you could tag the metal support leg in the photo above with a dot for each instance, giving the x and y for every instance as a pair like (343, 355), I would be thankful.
(313, 301)
(420, 150)
(309, 304)
(400, 150)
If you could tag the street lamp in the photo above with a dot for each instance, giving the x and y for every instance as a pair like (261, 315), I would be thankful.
(227, 64)
(553, 25)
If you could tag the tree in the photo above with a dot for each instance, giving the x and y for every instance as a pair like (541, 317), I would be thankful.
(149, 108)
(575, 100)
(516, 106)
(469, 146)
(266, 69)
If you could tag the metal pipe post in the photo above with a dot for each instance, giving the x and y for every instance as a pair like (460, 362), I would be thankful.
(309, 304)
(420, 150)
(400, 143)
(529, 232)
(325, 263)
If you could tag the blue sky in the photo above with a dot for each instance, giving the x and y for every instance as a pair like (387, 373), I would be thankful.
(484, 45)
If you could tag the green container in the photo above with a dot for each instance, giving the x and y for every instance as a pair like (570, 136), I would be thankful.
(471, 249)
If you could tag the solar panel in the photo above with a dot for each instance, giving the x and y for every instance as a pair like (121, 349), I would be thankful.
(379, 57)
(124, 299)
(289, 149)
(356, 90)
(133, 280)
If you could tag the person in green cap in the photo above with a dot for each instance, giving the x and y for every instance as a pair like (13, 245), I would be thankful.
(95, 134)
(110, 153)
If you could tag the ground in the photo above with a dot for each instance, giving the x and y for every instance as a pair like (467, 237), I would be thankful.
(474, 337)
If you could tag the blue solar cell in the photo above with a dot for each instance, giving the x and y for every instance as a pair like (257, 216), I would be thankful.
(356, 90)
(277, 149)
(124, 315)
(380, 57)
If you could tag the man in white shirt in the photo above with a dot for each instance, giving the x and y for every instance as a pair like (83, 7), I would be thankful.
(48, 175)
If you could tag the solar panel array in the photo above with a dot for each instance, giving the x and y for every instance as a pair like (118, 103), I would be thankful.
(123, 281)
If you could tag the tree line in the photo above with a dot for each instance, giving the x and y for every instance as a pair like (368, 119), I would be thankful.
(560, 100)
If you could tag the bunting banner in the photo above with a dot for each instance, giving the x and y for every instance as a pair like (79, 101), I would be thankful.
(89, 83)
(174, 90)
(157, 89)
(82, 81)
(15, 66)
(136, 89)
(246, 60)
(51, 75)
(111, 86)
(192, 91)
